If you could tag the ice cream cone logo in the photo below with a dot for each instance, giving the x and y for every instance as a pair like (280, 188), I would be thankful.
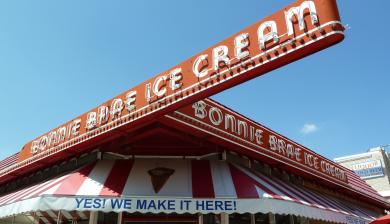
(159, 177)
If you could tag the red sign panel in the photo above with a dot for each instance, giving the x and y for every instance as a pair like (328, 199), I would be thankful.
(296, 31)
(209, 116)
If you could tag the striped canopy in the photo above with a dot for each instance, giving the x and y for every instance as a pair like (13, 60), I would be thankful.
(177, 186)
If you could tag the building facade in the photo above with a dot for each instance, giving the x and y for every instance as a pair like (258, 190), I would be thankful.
(373, 167)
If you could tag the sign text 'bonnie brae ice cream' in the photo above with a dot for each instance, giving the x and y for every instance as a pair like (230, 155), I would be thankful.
(223, 123)
(292, 33)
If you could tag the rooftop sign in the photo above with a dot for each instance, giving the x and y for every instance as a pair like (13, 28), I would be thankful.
(290, 34)
(369, 169)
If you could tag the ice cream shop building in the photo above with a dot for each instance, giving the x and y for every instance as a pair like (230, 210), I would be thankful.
(163, 152)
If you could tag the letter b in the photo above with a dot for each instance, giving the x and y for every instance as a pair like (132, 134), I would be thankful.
(200, 109)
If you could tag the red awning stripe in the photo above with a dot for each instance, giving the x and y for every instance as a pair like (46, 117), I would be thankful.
(281, 188)
(42, 218)
(116, 180)
(318, 200)
(71, 184)
(83, 215)
(202, 181)
(9, 161)
(52, 216)
(351, 210)
(260, 183)
(285, 194)
(75, 215)
(330, 202)
(47, 186)
(305, 196)
(48, 217)
(249, 191)
(29, 192)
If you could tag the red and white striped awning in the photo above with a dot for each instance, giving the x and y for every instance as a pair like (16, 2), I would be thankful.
(49, 217)
(180, 186)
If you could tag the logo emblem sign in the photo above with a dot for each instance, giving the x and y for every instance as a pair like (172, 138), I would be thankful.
(159, 177)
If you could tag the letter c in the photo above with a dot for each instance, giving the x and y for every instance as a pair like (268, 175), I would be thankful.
(195, 67)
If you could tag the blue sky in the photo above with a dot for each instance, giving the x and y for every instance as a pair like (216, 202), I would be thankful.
(59, 59)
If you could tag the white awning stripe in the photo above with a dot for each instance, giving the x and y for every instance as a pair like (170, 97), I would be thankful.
(21, 193)
(331, 204)
(302, 198)
(96, 179)
(46, 186)
(265, 184)
(83, 215)
(303, 195)
(41, 217)
(222, 180)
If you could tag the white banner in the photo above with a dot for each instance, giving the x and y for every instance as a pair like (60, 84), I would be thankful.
(175, 205)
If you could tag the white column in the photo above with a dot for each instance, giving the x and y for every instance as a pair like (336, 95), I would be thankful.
(272, 219)
(120, 215)
(224, 218)
(59, 217)
(36, 218)
(253, 219)
(291, 219)
(200, 218)
(93, 217)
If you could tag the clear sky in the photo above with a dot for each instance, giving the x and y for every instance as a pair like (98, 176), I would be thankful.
(58, 59)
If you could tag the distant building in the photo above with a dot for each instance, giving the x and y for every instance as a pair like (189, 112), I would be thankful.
(373, 167)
